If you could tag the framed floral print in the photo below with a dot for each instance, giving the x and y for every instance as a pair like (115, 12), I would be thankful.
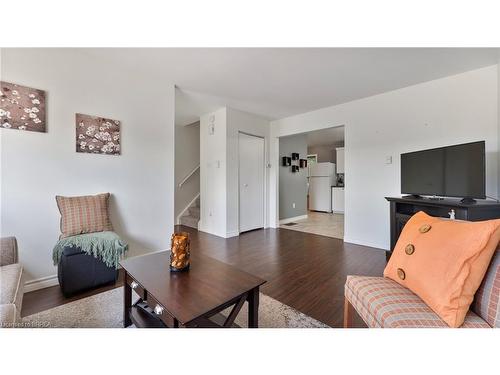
(97, 135)
(22, 107)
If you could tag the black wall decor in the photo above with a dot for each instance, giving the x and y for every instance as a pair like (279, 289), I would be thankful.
(287, 162)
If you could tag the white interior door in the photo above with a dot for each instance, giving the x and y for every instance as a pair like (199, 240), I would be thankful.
(251, 180)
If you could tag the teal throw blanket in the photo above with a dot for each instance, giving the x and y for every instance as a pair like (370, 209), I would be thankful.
(105, 246)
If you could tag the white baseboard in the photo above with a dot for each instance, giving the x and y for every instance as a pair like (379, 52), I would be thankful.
(41, 283)
(178, 219)
(364, 243)
(204, 230)
(232, 234)
(292, 219)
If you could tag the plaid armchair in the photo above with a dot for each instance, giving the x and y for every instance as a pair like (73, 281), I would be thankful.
(383, 303)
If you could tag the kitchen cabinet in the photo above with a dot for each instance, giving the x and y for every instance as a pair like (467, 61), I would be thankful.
(340, 160)
(338, 199)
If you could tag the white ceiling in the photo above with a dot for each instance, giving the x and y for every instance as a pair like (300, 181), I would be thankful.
(280, 82)
(326, 137)
(190, 105)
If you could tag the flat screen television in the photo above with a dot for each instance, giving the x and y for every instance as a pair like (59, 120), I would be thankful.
(453, 171)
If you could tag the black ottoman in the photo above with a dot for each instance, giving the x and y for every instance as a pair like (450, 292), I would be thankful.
(78, 271)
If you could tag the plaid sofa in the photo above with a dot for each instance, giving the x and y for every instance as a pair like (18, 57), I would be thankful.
(383, 303)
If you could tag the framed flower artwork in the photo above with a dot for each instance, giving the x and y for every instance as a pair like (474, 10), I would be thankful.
(22, 108)
(97, 135)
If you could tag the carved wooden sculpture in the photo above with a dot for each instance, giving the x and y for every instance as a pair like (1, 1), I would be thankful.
(179, 256)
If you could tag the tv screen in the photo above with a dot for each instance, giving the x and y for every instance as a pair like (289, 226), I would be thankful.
(453, 171)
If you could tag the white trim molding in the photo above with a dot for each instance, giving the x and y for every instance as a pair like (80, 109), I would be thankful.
(292, 219)
(376, 246)
(232, 234)
(41, 283)
(188, 176)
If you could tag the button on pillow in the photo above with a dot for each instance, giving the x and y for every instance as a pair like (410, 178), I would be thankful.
(444, 262)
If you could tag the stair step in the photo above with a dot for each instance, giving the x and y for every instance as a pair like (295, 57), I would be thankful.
(189, 221)
(194, 212)
(197, 202)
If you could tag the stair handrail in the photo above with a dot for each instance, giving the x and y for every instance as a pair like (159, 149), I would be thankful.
(184, 180)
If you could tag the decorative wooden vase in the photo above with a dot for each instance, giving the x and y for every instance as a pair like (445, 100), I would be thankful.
(180, 255)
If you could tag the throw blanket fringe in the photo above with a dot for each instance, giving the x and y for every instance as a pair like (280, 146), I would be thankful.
(105, 246)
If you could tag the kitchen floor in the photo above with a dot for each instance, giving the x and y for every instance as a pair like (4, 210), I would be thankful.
(324, 224)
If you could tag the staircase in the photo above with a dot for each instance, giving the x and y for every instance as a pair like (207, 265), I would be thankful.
(192, 215)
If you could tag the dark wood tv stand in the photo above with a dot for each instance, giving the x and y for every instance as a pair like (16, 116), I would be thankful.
(402, 208)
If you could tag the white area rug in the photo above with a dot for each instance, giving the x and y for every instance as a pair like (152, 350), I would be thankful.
(105, 310)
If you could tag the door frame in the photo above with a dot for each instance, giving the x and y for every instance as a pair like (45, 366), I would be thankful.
(274, 180)
(264, 180)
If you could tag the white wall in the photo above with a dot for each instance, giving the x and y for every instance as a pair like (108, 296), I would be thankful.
(213, 179)
(37, 166)
(447, 111)
(498, 120)
(219, 193)
(187, 158)
(325, 153)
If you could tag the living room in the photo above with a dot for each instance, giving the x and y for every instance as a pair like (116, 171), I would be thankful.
(143, 188)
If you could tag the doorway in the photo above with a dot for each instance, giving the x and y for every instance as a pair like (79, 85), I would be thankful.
(251, 182)
(311, 199)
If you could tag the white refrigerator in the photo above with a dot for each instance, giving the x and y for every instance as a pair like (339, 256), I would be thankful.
(321, 180)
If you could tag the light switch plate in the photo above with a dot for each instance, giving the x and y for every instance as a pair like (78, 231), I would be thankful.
(388, 160)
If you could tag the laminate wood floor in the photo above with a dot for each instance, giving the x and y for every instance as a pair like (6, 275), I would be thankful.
(303, 270)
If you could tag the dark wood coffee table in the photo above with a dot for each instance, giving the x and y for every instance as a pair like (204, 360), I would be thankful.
(187, 299)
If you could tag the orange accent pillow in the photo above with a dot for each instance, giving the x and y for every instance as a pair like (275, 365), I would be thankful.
(446, 262)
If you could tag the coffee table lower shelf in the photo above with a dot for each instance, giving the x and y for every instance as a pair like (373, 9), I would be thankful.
(142, 319)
